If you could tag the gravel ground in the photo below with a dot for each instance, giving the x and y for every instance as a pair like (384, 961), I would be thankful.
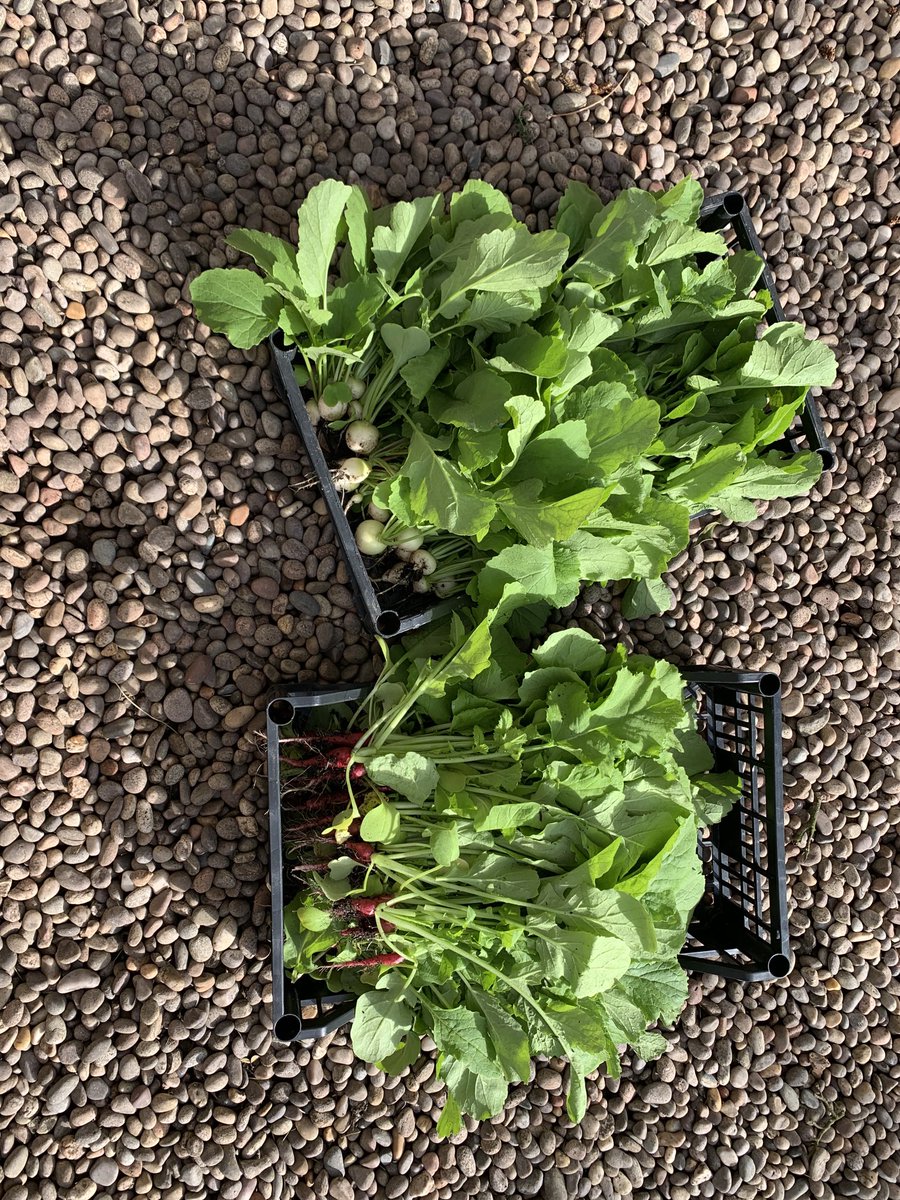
(160, 571)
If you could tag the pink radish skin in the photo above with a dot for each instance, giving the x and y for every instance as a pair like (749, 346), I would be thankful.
(390, 959)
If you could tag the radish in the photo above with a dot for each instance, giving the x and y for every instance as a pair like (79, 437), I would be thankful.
(364, 906)
(421, 584)
(369, 537)
(423, 562)
(408, 539)
(333, 401)
(355, 410)
(396, 573)
(351, 473)
(390, 959)
(378, 514)
(361, 437)
(361, 851)
(312, 411)
(323, 739)
(444, 587)
(357, 387)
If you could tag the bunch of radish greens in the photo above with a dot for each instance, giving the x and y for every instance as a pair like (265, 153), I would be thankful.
(512, 413)
(499, 850)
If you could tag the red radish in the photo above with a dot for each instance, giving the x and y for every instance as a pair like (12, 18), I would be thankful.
(390, 959)
(325, 802)
(333, 760)
(323, 739)
(336, 761)
(365, 905)
(362, 851)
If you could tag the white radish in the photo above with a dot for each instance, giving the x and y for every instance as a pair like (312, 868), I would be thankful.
(421, 584)
(361, 437)
(369, 539)
(423, 562)
(331, 412)
(357, 388)
(350, 474)
(408, 539)
(312, 411)
(396, 573)
(354, 410)
(444, 587)
(377, 513)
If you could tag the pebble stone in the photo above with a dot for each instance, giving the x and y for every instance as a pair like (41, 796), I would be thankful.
(165, 568)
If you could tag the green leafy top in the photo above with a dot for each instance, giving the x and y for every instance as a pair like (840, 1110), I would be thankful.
(536, 861)
(565, 399)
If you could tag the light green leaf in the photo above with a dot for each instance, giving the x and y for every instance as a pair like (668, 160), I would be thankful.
(714, 797)
(588, 963)
(531, 353)
(358, 215)
(237, 303)
(411, 774)
(618, 231)
(420, 373)
(462, 1033)
(620, 424)
(675, 239)
(393, 244)
(527, 414)
(657, 986)
(573, 648)
(440, 494)
(318, 224)
(682, 202)
(784, 357)
(506, 816)
(478, 199)
(382, 1019)
(543, 521)
(444, 843)
(577, 209)
(381, 824)
(450, 1120)
(482, 1095)
(265, 249)
(509, 1040)
(313, 918)
(481, 402)
(506, 260)
(495, 312)
(405, 343)
(647, 598)
(522, 574)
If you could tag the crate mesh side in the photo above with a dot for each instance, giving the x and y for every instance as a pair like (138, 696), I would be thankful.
(735, 853)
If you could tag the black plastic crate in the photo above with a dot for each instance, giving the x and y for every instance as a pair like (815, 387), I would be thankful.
(729, 210)
(739, 929)
(398, 611)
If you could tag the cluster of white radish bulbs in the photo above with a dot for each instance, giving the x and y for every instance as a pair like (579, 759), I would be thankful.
(339, 401)
(374, 536)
